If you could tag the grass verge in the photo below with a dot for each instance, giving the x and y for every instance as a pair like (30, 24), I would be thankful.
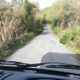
(70, 38)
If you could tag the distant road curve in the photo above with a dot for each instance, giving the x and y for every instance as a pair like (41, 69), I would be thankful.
(44, 48)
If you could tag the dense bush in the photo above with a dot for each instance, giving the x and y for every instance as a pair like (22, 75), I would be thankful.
(72, 35)
(65, 38)
(18, 24)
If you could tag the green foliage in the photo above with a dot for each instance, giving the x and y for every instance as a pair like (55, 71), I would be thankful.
(56, 30)
(7, 45)
(18, 24)
(75, 31)
(25, 35)
(73, 35)
(20, 43)
(38, 31)
(65, 38)
(5, 53)
(78, 40)
(63, 13)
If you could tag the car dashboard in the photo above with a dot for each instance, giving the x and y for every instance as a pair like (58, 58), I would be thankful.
(35, 74)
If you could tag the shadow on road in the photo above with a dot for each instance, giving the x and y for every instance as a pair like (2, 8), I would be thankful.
(45, 30)
(59, 57)
(44, 33)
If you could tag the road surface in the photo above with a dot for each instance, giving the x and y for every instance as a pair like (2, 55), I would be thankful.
(44, 48)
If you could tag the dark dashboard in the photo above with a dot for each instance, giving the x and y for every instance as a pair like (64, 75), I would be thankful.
(35, 74)
(10, 70)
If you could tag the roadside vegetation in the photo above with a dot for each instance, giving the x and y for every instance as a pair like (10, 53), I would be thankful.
(64, 18)
(18, 24)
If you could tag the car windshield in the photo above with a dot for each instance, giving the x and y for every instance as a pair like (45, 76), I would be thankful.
(41, 31)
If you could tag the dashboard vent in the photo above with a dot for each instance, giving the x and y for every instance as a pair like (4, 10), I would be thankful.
(4, 75)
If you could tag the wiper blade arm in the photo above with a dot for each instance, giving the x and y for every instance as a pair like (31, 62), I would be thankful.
(64, 66)
(4, 62)
(18, 64)
(47, 65)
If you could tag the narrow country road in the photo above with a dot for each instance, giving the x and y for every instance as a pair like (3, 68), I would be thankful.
(44, 48)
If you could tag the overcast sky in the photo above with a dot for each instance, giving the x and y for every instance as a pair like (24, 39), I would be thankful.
(44, 3)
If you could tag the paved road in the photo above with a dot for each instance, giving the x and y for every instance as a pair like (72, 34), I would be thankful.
(44, 48)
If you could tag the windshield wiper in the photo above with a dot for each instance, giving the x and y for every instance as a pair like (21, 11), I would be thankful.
(77, 67)
(47, 65)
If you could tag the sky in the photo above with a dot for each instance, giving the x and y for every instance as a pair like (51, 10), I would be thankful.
(44, 3)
